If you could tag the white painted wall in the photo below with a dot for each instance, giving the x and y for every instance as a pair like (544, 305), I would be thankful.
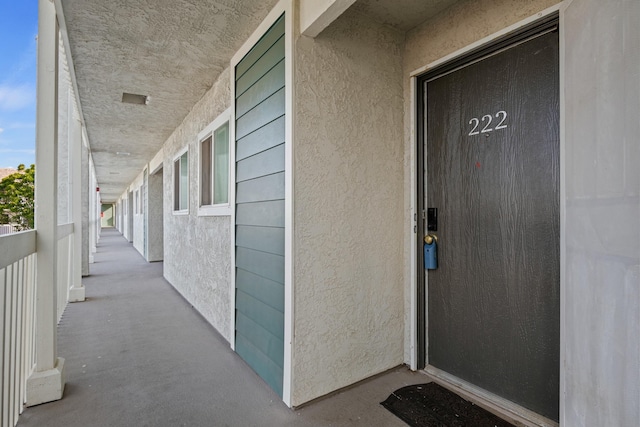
(197, 258)
(316, 15)
(130, 214)
(348, 203)
(119, 215)
(156, 163)
(126, 215)
(138, 218)
(602, 274)
(122, 226)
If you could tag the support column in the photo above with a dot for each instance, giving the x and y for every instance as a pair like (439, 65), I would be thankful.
(77, 291)
(130, 207)
(98, 207)
(85, 188)
(94, 211)
(47, 381)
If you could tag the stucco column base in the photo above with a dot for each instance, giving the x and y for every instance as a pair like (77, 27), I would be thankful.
(76, 294)
(46, 386)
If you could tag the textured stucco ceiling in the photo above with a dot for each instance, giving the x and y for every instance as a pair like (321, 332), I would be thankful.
(170, 50)
(402, 14)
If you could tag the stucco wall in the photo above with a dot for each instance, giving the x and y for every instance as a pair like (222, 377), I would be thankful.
(316, 15)
(138, 230)
(601, 300)
(455, 28)
(348, 198)
(197, 257)
(155, 217)
(138, 219)
(602, 275)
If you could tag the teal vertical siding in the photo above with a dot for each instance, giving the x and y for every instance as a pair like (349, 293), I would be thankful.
(260, 194)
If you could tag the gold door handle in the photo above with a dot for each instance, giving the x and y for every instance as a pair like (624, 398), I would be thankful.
(430, 238)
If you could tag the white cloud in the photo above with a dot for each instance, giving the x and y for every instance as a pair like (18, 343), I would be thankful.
(14, 98)
(1, 130)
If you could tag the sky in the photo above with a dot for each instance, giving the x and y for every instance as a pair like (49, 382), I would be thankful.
(18, 31)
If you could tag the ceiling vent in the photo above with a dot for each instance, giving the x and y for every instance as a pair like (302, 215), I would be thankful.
(132, 98)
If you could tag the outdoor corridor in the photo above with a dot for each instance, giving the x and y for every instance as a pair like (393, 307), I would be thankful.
(137, 354)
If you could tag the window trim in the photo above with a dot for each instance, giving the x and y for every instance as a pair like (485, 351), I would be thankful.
(220, 209)
(142, 196)
(176, 158)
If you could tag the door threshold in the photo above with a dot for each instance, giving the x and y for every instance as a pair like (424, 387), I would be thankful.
(499, 406)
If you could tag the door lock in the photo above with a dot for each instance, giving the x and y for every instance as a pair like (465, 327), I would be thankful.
(430, 238)
(430, 252)
(432, 219)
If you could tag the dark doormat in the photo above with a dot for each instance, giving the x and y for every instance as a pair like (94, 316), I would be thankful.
(430, 405)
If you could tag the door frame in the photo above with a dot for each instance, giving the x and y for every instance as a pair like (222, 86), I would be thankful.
(419, 294)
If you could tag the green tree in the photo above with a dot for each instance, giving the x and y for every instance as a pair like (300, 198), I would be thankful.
(17, 198)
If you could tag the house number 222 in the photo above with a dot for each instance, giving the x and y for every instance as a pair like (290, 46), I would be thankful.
(501, 115)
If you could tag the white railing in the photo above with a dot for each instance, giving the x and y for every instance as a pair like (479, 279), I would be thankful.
(17, 318)
(7, 229)
(65, 266)
(17, 300)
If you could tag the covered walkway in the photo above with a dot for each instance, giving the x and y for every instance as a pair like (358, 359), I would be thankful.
(137, 354)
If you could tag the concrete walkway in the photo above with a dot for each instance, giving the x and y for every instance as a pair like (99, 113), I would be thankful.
(137, 354)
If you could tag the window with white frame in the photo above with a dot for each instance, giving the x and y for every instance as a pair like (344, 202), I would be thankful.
(215, 162)
(181, 182)
(141, 199)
